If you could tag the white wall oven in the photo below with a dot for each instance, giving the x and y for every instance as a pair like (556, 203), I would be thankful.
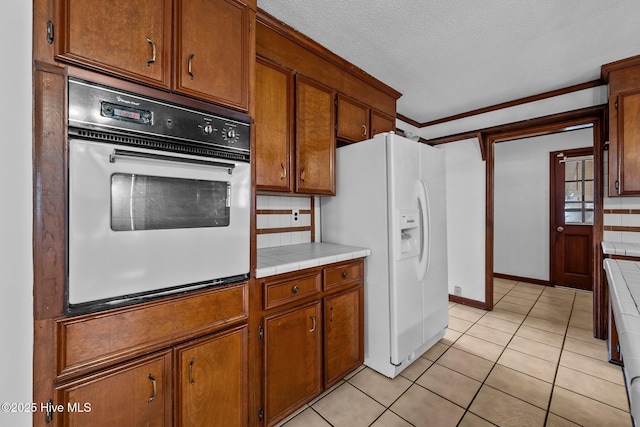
(158, 199)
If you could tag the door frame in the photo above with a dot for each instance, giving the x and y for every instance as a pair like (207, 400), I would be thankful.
(583, 151)
(594, 116)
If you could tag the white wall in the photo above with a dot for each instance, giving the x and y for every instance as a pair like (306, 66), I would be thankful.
(466, 218)
(16, 277)
(521, 201)
(458, 271)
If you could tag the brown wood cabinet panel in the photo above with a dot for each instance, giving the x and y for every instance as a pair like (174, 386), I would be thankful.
(121, 37)
(315, 137)
(381, 122)
(284, 45)
(629, 142)
(212, 45)
(353, 120)
(293, 360)
(273, 126)
(343, 274)
(99, 339)
(344, 333)
(135, 394)
(211, 382)
(283, 292)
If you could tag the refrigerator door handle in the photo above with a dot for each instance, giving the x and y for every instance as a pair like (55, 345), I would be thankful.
(425, 231)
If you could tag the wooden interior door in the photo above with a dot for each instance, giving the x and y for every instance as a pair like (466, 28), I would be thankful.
(572, 215)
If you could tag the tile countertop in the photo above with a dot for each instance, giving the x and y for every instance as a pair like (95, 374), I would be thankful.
(619, 248)
(624, 289)
(283, 259)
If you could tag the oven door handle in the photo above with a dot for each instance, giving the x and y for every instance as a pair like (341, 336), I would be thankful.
(136, 154)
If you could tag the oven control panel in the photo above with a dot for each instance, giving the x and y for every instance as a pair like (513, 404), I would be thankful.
(102, 108)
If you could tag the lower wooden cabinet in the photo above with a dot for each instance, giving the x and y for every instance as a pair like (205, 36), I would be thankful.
(211, 380)
(211, 388)
(293, 359)
(312, 334)
(134, 394)
(343, 334)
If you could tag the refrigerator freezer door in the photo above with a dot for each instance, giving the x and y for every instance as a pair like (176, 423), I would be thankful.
(405, 304)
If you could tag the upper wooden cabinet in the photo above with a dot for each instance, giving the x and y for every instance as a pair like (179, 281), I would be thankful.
(273, 126)
(357, 121)
(315, 137)
(353, 120)
(211, 48)
(624, 126)
(381, 122)
(130, 39)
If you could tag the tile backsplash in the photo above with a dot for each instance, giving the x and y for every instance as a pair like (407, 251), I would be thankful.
(621, 215)
(275, 223)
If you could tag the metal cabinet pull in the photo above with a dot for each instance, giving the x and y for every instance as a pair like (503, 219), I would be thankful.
(295, 289)
(344, 274)
(155, 389)
(153, 54)
(364, 132)
(302, 175)
(189, 66)
(283, 175)
(191, 381)
(313, 324)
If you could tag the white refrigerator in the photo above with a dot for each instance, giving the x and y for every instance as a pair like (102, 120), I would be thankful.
(390, 198)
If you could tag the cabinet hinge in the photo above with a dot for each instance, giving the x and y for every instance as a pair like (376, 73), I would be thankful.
(260, 333)
(616, 105)
(48, 414)
(617, 185)
(49, 32)
(618, 348)
(261, 414)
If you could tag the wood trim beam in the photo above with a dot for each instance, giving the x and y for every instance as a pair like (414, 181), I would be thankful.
(538, 97)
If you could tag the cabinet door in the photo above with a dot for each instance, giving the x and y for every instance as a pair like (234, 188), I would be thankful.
(344, 333)
(135, 394)
(128, 38)
(273, 126)
(212, 48)
(353, 120)
(212, 380)
(628, 120)
(381, 122)
(292, 357)
(315, 138)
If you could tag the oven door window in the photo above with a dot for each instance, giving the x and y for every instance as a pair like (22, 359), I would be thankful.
(142, 202)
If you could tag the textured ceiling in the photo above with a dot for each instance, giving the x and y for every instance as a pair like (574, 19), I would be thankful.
(452, 56)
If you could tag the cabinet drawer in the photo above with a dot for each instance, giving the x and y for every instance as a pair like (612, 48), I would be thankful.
(100, 339)
(283, 292)
(343, 274)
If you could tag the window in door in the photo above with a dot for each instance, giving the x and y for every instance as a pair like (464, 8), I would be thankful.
(578, 184)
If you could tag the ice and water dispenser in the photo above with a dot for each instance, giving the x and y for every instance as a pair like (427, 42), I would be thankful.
(409, 233)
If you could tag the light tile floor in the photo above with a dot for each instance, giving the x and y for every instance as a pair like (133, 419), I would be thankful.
(532, 361)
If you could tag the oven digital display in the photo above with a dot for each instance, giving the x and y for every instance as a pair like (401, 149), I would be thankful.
(123, 112)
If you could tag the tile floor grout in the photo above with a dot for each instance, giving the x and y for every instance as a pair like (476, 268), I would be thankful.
(449, 343)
